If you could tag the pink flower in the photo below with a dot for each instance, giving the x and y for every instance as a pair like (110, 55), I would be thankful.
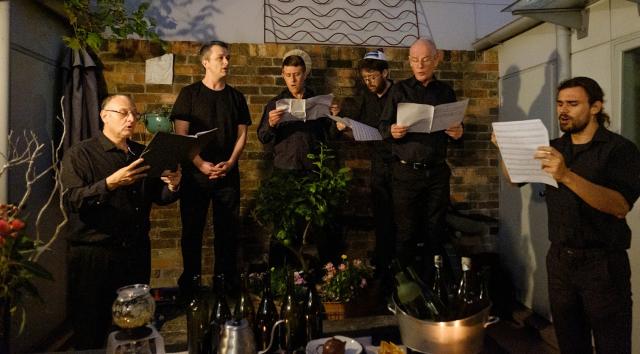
(342, 267)
(297, 279)
(363, 283)
(329, 267)
(357, 263)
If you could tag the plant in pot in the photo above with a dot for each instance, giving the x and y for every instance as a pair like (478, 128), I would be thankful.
(157, 120)
(291, 206)
(342, 283)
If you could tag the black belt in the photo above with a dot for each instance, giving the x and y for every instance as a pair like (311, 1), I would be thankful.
(421, 165)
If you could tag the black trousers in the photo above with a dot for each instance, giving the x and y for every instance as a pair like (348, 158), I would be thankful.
(95, 273)
(197, 193)
(590, 294)
(382, 202)
(420, 200)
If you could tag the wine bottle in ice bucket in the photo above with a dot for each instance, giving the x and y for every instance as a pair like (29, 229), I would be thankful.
(468, 299)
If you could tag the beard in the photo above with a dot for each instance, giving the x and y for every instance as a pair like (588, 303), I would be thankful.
(573, 125)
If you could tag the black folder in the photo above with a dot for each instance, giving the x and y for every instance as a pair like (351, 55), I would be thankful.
(165, 150)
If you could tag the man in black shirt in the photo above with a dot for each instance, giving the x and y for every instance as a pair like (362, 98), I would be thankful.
(213, 175)
(292, 140)
(420, 172)
(598, 175)
(108, 201)
(367, 108)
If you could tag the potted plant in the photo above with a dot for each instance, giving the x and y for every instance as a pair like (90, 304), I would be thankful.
(286, 204)
(157, 120)
(341, 284)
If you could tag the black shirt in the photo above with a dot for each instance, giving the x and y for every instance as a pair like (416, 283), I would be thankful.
(292, 140)
(367, 109)
(608, 160)
(416, 147)
(97, 215)
(206, 109)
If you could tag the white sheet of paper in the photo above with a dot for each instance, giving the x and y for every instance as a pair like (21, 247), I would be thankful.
(159, 70)
(363, 132)
(304, 109)
(518, 142)
(424, 118)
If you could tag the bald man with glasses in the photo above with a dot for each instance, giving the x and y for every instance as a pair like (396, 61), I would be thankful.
(108, 198)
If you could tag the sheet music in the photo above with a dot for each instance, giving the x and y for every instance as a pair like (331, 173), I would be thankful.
(304, 109)
(415, 116)
(363, 132)
(424, 118)
(448, 115)
(518, 142)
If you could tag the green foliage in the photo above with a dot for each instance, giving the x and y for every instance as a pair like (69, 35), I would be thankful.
(93, 21)
(286, 201)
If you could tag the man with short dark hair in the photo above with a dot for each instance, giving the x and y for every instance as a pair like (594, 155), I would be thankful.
(213, 175)
(598, 175)
(292, 140)
(420, 171)
(108, 200)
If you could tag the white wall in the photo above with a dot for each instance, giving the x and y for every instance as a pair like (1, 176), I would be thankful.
(454, 24)
(527, 92)
(611, 24)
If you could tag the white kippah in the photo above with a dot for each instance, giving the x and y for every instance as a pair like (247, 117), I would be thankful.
(377, 55)
(302, 54)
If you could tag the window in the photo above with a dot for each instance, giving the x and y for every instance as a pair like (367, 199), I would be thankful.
(630, 94)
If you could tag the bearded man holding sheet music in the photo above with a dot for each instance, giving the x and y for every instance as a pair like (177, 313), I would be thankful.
(420, 173)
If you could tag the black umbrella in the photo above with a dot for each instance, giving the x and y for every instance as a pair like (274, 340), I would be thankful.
(83, 88)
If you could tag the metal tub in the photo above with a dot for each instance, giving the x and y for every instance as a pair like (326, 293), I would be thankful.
(463, 336)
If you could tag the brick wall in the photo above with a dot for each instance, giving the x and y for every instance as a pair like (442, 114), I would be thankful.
(255, 70)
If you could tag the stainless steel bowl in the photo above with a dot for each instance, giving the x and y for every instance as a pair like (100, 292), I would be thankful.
(463, 336)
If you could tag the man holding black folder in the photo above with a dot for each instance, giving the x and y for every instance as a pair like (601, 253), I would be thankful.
(420, 172)
(108, 198)
(213, 174)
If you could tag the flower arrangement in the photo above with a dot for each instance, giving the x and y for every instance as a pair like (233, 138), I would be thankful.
(344, 282)
(278, 277)
(16, 267)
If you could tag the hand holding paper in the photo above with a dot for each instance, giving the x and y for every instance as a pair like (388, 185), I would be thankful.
(424, 118)
(304, 109)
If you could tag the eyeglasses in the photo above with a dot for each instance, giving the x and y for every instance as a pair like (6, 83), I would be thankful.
(125, 113)
(370, 78)
(425, 61)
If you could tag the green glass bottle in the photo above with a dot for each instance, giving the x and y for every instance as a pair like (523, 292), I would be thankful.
(313, 314)
(244, 305)
(197, 318)
(293, 331)
(266, 316)
(468, 299)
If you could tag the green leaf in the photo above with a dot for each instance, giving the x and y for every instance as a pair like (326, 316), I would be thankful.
(37, 270)
(94, 41)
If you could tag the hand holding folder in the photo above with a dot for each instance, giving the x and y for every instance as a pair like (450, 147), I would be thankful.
(165, 150)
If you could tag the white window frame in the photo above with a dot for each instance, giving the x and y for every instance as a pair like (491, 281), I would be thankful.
(618, 47)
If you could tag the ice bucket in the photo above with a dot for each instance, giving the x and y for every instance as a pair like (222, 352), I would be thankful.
(463, 336)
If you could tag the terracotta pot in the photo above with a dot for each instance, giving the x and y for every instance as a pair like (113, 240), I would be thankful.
(335, 310)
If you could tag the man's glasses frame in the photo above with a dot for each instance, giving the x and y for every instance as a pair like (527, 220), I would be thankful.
(136, 116)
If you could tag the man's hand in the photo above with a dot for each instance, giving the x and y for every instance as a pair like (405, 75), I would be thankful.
(455, 132)
(127, 175)
(220, 170)
(341, 126)
(172, 178)
(398, 131)
(274, 116)
(552, 162)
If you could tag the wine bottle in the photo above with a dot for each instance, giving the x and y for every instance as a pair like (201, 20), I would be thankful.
(221, 312)
(438, 311)
(292, 332)
(484, 296)
(197, 318)
(313, 314)
(468, 301)
(244, 306)
(266, 316)
(439, 286)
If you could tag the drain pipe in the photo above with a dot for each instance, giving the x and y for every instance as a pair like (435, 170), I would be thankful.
(4, 90)
(563, 47)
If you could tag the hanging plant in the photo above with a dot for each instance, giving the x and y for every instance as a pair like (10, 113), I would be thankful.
(95, 21)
